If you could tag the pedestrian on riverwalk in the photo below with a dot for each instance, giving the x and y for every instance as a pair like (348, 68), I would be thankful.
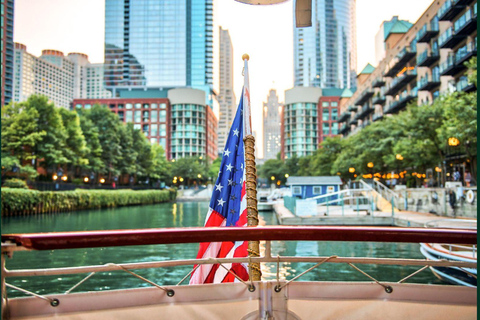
(452, 199)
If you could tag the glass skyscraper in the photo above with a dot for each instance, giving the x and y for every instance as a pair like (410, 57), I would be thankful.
(325, 54)
(159, 44)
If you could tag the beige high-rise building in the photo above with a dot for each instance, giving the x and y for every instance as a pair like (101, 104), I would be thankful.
(61, 78)
(271, 126)
(226, 97)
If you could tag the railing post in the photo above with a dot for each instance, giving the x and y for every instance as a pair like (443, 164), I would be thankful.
(343, 205)
(5, 313)
(328, 199)
(393, 211)
(356, 200)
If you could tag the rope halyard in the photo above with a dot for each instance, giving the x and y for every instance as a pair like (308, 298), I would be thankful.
(255, 272)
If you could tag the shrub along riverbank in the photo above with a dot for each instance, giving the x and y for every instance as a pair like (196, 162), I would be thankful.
(27, 202)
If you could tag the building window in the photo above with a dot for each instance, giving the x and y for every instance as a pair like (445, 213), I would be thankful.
(326, 128)
(317, 190)
(326, 114)
(335, 128)
(334, 114)
(128, 117)
(154, 130)
(146, 116)
(153, 116)
(325, 104)
(297, 190)
(138, 116)
(153, 106)
(334, 104)
(129, 106)
(163, 116)
(163, 105)
(138, 106)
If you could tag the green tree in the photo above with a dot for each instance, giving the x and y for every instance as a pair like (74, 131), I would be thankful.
(214, 169)
(272, 168)
(160, 167)
(94, 149)
(322, 160)
(109, 134)
(76, 146)
(189, 168)
(20, 136)
(460, 114)
(127, 163)
(51, 148)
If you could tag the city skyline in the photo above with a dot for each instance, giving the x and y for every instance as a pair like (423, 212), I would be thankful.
(264, 32)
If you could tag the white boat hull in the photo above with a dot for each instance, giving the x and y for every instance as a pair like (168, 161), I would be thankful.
(298, 300)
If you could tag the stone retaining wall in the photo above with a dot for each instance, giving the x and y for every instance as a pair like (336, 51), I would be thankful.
(435, 200)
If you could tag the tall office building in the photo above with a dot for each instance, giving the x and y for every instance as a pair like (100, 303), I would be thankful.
(226, 97)
(325, 54)
(155, 44)
(6, 62)
(271, 126)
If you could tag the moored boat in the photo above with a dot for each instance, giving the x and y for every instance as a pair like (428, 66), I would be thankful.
(452, 252)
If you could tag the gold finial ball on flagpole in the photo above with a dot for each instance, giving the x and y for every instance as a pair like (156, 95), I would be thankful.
(245, 57)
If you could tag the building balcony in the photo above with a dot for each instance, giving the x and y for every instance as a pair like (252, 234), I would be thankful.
(365, 111)
(377, 116)
(352, 108)
(344, 116)
(405, 55)
(426, 58)
(426, 33)
(465, 53)
(344, 128)
(353, 121)
(379, 99)
(466, 24)
(364, 96)
(401, 81)
(464, 85)
(449, 10)
(450, 67)
(450, 39)
(399, 104)
(391, 69)
(378, 82)
(462, 2)
(428, 83)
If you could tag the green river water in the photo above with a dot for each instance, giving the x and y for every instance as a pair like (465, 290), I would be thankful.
(181, 214)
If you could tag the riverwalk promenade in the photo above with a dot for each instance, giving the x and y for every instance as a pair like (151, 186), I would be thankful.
(349, 216)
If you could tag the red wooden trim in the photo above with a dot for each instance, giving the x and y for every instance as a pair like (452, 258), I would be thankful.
(130, 237)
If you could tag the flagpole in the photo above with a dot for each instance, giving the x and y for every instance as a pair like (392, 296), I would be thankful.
(251, 176)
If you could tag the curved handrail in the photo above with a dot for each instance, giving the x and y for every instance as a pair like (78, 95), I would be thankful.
(110, 238)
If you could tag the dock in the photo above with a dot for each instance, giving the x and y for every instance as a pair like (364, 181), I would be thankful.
(352, 217)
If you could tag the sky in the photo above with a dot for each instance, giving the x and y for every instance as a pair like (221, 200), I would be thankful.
(265, 33)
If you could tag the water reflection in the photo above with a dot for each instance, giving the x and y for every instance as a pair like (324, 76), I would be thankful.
(182, 214)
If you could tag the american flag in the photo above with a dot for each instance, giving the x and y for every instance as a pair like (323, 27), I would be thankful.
(228, 207)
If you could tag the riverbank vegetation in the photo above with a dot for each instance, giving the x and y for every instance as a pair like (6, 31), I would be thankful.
(17, 201)
(408, 143)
